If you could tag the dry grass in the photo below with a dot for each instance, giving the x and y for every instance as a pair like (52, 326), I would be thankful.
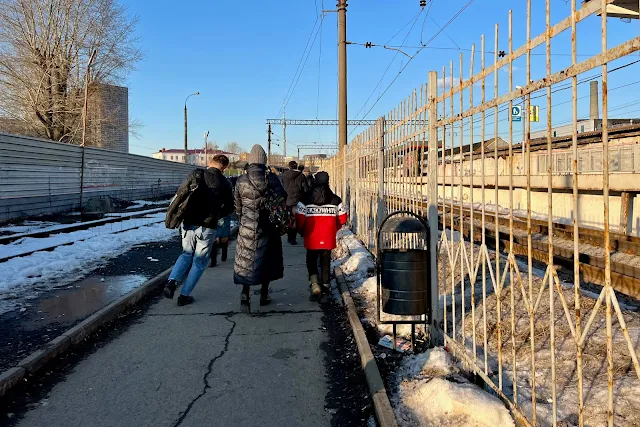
(509, 345)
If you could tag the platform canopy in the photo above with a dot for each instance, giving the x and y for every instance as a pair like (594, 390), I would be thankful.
(622, 9)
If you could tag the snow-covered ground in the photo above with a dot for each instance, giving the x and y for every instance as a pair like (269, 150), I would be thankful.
(30, 244)
(65, 264)
(137, 204)
(428, 389)
(31, 226)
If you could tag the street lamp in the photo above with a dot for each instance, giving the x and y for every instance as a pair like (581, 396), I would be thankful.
(186, 148)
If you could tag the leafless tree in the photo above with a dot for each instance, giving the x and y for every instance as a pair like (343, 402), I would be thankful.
(233, 147)
(44, 49)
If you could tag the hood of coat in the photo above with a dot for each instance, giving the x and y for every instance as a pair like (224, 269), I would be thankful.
(256, 174)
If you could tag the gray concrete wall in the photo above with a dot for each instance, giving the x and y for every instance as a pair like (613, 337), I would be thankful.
(42, 177)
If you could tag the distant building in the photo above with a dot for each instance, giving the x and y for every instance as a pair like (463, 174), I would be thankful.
(108, 117)
(313, 159)
(196, 156)
(16, 127)
(584, 125)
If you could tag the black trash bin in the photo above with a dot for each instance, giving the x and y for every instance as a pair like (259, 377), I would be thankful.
(404, 268)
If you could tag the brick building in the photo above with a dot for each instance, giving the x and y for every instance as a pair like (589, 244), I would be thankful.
(108, 117)
(196, 156)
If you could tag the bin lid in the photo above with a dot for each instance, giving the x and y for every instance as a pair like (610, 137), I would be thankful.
(403, 224)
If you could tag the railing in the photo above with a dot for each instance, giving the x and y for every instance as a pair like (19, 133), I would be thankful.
(553, 351)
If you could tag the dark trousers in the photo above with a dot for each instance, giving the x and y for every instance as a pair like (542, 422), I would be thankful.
(292, 234)
(324, 256)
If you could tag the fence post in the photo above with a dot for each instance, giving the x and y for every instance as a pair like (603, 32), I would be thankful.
(432, 210)
(381, 210)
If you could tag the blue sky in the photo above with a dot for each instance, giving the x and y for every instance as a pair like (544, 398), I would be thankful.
(242, 57)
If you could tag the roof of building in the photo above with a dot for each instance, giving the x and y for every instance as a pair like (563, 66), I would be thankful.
(193, 151)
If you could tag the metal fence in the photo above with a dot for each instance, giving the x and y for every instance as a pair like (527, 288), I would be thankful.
(43, 177)
(556, 351)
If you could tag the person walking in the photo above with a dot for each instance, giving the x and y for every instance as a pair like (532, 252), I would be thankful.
(319, 216)
(258, 259)
(296, 185)
(310, 180)
(212, 200)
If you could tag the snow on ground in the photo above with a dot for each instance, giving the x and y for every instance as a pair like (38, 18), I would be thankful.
(29, 244)
(427, 389)
(68, 263)
(30, 226)
(137, 204)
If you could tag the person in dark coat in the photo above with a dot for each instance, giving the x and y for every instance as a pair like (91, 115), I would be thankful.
(310, 179)
(296, 185)
(198, 228)
(258, 258)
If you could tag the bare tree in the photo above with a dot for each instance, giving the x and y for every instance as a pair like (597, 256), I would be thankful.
(233, 147)
(212, 146)
(44, 49)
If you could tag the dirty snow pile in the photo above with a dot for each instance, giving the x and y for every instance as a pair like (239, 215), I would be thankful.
(428, 389)
(431, 391)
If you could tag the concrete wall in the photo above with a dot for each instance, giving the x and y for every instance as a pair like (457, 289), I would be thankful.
(42, 177)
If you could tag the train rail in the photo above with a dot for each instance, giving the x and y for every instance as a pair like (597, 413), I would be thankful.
(75, 227)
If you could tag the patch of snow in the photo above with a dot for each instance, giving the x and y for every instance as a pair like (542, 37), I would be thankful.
(121, 214)
(141, 203)
(433, 362)
(30, 226)
(437, 402)
(68, 263)
(30, 244)
(359, 266)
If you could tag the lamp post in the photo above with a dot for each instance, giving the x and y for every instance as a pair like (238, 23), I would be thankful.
(206, 159)
(186, 148)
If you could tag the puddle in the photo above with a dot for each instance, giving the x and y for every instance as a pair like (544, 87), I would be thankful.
(86, 297)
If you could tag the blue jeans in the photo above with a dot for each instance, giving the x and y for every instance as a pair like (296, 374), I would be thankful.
(196, 250)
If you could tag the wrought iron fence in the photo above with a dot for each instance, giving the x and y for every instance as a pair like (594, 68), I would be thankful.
(555, 350)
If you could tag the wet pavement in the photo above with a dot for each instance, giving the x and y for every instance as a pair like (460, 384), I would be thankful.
(291, 363)
(46, 314)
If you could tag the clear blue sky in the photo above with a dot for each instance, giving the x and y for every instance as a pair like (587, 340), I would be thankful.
(242, 57)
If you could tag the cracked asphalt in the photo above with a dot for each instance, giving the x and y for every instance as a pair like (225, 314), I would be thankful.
(292, 363)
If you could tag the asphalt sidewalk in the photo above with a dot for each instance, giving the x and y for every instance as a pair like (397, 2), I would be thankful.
(206, 364)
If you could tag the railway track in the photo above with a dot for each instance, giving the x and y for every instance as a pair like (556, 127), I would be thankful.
(625, 276)
(75, 227)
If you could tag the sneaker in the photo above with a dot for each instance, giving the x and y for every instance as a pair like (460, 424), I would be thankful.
(170, 288)
(185, 300)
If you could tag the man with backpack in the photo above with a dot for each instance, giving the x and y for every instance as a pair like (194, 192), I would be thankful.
(204, 198)
(320, 215)
(296, 185)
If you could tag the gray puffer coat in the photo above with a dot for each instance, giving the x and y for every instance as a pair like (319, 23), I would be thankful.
(259, 251)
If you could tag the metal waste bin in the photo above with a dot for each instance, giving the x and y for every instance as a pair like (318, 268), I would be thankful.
(404, 268)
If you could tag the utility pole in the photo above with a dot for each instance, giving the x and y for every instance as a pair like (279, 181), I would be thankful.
(84, 121)
(186, 147)
(342, 73)
(206, 158)
(284, 132)
(269, 145)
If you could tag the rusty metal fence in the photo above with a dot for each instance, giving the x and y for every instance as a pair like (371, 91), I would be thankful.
(556, 350)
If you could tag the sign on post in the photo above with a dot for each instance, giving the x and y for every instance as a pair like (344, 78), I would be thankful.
(516, 113)
(534, 113)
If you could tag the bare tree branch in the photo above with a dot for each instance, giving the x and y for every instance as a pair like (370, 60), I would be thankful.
(44, 48)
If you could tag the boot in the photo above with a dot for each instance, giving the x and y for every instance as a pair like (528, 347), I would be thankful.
(170, 288)
(316, 290)
(214, 255)
(224, 246)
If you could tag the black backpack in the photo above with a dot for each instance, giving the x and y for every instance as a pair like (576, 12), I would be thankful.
(180, 203)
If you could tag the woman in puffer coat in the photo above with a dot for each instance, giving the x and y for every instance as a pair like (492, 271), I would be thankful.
(258, 258)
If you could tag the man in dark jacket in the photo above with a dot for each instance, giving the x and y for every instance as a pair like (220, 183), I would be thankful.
(259, 250)
(296, 185)
(211, 201)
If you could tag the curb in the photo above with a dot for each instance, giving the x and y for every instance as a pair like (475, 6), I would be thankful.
(381, 403)
(74, 336)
